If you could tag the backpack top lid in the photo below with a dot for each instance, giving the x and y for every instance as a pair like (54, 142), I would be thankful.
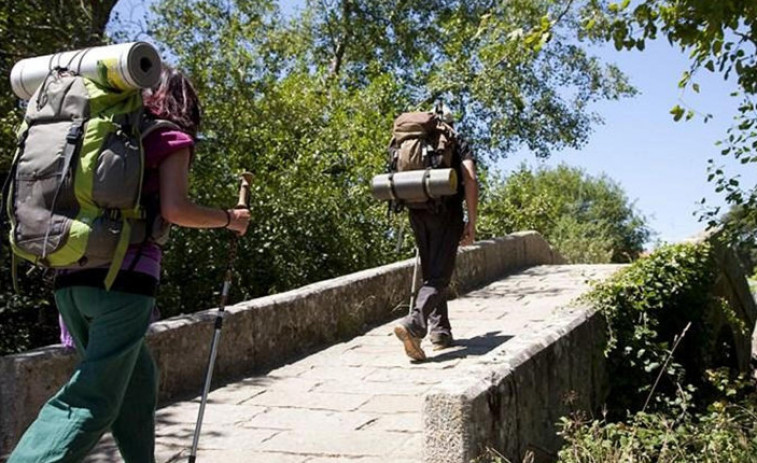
(413, 125)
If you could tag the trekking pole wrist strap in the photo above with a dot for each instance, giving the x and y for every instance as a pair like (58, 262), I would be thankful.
(228, 218)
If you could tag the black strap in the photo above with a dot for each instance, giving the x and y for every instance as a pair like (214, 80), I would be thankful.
(150, 205)
(424, 183)
(75, 134)
(392, 150)
(126, 282)
(392, 189)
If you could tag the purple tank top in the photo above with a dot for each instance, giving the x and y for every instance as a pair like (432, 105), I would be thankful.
(158, 146)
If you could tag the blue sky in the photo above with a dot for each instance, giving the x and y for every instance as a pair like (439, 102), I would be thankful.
(661, 164)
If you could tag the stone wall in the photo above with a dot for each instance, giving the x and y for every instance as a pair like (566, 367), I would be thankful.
(512, 403)
(263, 332)
(732, 286)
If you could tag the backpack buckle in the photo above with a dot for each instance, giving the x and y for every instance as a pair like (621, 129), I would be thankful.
(114, 217)
(75, 132)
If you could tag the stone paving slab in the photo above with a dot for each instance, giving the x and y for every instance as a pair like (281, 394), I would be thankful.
(360, 401)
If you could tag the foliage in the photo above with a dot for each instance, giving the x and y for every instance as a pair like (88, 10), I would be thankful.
(742, 234)
(725, 431)
(721, 37)
(647, 306)
(673, 396)
(317, 94)
(28, 319)
(584, 242)
(307, 103)
(34, 28)
(588, 219)
(701, 410)
(513, 70)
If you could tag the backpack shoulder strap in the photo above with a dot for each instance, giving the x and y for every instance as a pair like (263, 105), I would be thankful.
(149, 126)
(448, 130)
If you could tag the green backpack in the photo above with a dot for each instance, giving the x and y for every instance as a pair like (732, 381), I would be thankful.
(74, 190)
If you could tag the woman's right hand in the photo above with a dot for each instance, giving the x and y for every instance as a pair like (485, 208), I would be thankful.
(240, 220)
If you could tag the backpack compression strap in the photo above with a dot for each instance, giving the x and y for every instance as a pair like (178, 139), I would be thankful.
(5, 206)
(123, 244)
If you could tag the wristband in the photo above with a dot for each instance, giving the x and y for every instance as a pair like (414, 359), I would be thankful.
(228, 218)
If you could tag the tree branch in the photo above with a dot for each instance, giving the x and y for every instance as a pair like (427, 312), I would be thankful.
(341, 46)
(560, 17)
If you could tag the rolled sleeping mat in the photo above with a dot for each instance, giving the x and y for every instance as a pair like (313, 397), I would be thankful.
(122, 67)
(415, 185)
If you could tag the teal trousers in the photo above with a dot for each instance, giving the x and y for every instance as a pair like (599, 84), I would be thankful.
(113, 388)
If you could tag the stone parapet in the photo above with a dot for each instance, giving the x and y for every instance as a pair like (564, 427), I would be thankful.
(512, 401)
(264, 332)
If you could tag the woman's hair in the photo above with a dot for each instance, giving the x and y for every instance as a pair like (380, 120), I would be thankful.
(174, 99)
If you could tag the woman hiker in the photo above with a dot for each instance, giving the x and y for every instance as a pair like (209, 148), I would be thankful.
(115, 385)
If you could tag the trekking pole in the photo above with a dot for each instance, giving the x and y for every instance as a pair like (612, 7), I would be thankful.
(415, 279)
(244, 192)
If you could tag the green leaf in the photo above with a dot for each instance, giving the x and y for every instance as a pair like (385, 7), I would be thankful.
(677, 112)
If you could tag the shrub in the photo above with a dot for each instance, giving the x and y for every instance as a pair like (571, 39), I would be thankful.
(726, 431)
(588, 219)
(663, 325)
(646, 306)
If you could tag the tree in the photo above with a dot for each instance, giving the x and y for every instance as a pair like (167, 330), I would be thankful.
(307, 104)
(588, 219)
(744, 237)
(721, 37)
(34, 28)
(513, 69)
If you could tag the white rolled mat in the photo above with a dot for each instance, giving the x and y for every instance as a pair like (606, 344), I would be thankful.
(124, 66)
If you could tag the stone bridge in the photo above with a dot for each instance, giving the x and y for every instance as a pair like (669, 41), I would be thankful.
(315, 375)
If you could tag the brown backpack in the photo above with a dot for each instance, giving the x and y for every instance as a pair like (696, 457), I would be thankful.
(421, 140)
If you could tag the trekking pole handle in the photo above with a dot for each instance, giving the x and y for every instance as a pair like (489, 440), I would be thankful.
(244, 191)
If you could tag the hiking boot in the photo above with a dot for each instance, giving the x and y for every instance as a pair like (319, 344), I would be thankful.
(442, 341)
(411, 343)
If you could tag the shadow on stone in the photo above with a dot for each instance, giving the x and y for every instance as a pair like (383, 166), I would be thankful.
(476, 346)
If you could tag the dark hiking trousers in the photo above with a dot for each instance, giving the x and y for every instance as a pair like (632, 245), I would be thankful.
(437, 235)
(114, 387)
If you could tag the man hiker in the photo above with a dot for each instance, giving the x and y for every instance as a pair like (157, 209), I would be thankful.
(438, 232)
